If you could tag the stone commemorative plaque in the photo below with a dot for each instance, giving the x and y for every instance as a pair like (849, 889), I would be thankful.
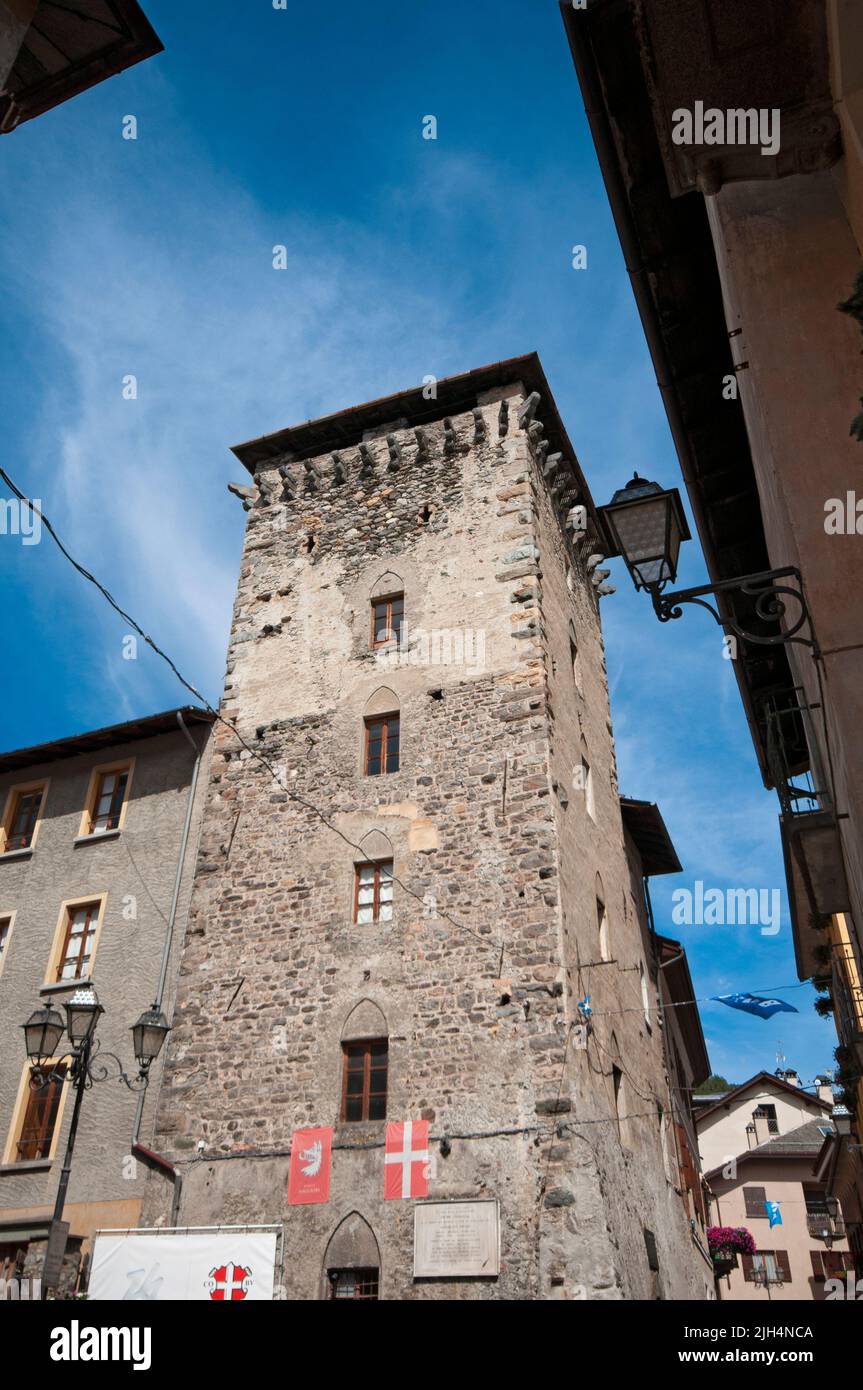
(456, 1239)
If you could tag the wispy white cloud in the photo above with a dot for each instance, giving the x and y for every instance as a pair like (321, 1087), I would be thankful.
(153, 260)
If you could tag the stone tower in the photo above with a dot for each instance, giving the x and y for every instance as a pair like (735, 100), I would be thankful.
(417, 869)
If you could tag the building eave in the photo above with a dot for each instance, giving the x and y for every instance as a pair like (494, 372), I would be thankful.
(672, 268)
(99, 51)
(95, 740)
(761, 1078)
(643, 820)
(681, 991)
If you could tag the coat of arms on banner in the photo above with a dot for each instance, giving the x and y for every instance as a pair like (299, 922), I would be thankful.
(311, 1162)
(228, 1283)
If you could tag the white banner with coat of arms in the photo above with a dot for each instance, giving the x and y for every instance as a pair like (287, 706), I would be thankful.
(213, 1266)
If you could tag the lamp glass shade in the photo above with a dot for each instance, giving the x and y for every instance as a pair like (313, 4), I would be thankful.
(42, 1033)
(83, 1011)
(841, 1120)
(148, 1036)
(646, 523)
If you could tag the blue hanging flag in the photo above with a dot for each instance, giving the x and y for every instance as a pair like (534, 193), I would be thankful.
(774, 1214)
(585, 1006)
(754, 1004)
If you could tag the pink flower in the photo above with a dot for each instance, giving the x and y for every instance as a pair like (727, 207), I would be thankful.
(736, 1238)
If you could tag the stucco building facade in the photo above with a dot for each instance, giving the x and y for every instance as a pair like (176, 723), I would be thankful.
(730, 138)
(97, 846)
(414, 851)
(763, 1143)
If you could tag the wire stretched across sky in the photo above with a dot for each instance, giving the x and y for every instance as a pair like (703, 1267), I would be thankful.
(498, 945)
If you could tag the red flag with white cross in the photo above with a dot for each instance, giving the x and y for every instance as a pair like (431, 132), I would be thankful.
(406, 1160)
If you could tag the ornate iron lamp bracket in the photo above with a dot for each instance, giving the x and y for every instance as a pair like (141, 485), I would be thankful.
(773, 600)
(82, 1071)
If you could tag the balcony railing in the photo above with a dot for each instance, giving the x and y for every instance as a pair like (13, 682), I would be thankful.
(824, 1227)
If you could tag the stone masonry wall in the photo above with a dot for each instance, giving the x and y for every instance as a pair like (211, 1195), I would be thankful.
(472, 975)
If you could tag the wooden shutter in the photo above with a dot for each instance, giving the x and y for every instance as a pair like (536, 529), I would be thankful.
(817, 1263)
(688, 1175)
(783, 1268)
(755, 1198)
(746, 1261)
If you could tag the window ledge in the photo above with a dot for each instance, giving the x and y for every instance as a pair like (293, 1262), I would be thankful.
(84, 983)
(16, 853)
(33, 1165)
(92, 839)
(359, 1130)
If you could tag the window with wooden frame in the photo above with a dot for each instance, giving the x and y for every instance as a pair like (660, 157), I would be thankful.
(756, 1202)
(76, 950)
(373, 891)
(831, 1264)
(364, 1079)
(39, 1122)
(382, 735)
(353, 1283)
(106, 800)
(388, 616)
(23, 814)
(770, 1266)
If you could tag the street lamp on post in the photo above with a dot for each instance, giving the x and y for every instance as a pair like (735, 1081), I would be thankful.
(42, 1033)
(646, 525)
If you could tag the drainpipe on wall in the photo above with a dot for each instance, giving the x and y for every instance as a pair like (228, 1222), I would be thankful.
(154, 1159)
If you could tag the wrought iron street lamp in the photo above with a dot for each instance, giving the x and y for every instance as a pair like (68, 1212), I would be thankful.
(83, 1012)
(42, 1033)
(646, 525)
(148, 1036)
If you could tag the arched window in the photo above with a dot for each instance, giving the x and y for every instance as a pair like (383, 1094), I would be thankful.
(645, 994)
(373, 880)
(602, 927)
(381, 733)
(584, 779)
(573, 656)
(365, 1064)
(618, 1082)
(387, 610)
(352, 1261)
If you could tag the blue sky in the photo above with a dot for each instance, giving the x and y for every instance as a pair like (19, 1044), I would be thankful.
(407, 257)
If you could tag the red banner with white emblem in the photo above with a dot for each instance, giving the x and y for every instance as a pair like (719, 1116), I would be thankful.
(311, 1163)
(406, 1160)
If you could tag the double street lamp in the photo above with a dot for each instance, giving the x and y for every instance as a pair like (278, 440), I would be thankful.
(646, 525)
(42, 1034)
